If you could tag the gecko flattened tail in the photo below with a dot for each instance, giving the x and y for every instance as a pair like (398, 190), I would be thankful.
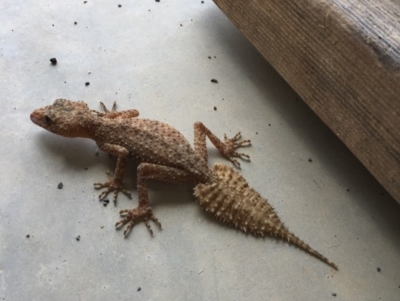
(230, 199)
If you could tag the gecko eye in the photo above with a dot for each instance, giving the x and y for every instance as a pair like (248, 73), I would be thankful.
(48, 120)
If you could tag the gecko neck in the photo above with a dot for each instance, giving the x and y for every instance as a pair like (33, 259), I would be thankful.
(84, 126)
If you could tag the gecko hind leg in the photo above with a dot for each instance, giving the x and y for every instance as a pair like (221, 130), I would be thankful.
(227, 147)
(144, 212)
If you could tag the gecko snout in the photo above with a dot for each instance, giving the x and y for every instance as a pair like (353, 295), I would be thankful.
(38, 117)
(35, 117)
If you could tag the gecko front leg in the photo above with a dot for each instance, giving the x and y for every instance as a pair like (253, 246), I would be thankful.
(144, 212)
(227, 147)
(114, 183)
(114, 114)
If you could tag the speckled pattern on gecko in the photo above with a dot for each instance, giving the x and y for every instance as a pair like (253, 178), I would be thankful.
(165, 155)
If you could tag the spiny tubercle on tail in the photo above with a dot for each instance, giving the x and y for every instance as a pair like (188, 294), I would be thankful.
(230, 199)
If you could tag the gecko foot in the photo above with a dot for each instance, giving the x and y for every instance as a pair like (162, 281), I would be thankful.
(111, 186)
(230, 145)
(133, 216)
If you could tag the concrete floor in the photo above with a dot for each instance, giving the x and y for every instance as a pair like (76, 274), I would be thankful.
(159, 58)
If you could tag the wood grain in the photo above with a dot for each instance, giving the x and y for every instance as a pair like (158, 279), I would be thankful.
(343, 58)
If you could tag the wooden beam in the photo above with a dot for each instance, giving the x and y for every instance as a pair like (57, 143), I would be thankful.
(343, 58)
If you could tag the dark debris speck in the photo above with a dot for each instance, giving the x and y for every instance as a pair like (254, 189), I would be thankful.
(310, 160)
(157, 0)
(87, 84)
(75, 23)
(215, 108)
(139, 289)
(78, 238)
(214, 81)
(105, 202)
(53, 61)
(60, 185)
(119, 5)
(27, 236)
(334, 294)
(85, 168)
(378, 269)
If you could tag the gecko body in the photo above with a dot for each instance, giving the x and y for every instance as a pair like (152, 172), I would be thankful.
(164, 154)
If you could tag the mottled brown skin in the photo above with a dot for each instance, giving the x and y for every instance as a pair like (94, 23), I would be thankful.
(165, 155)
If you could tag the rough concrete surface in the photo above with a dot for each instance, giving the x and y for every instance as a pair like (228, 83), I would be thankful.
(160, 57)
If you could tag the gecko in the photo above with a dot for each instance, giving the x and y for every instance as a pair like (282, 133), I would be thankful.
(164, 154)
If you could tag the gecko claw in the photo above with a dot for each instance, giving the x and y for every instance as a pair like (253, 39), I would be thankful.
(132, 217)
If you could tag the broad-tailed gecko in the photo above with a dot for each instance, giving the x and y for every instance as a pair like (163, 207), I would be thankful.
(164, 154)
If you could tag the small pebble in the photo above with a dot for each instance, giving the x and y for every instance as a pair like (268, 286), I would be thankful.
(60, 185)
(27, 236)
(214, 81)
(119, 5)
(215, 108)
(87, 84)
(139, 289)
(53, 61)
(78, 238)
(334, 294)
(75, 23)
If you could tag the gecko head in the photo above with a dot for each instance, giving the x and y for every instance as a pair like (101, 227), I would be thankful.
(64, 117)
